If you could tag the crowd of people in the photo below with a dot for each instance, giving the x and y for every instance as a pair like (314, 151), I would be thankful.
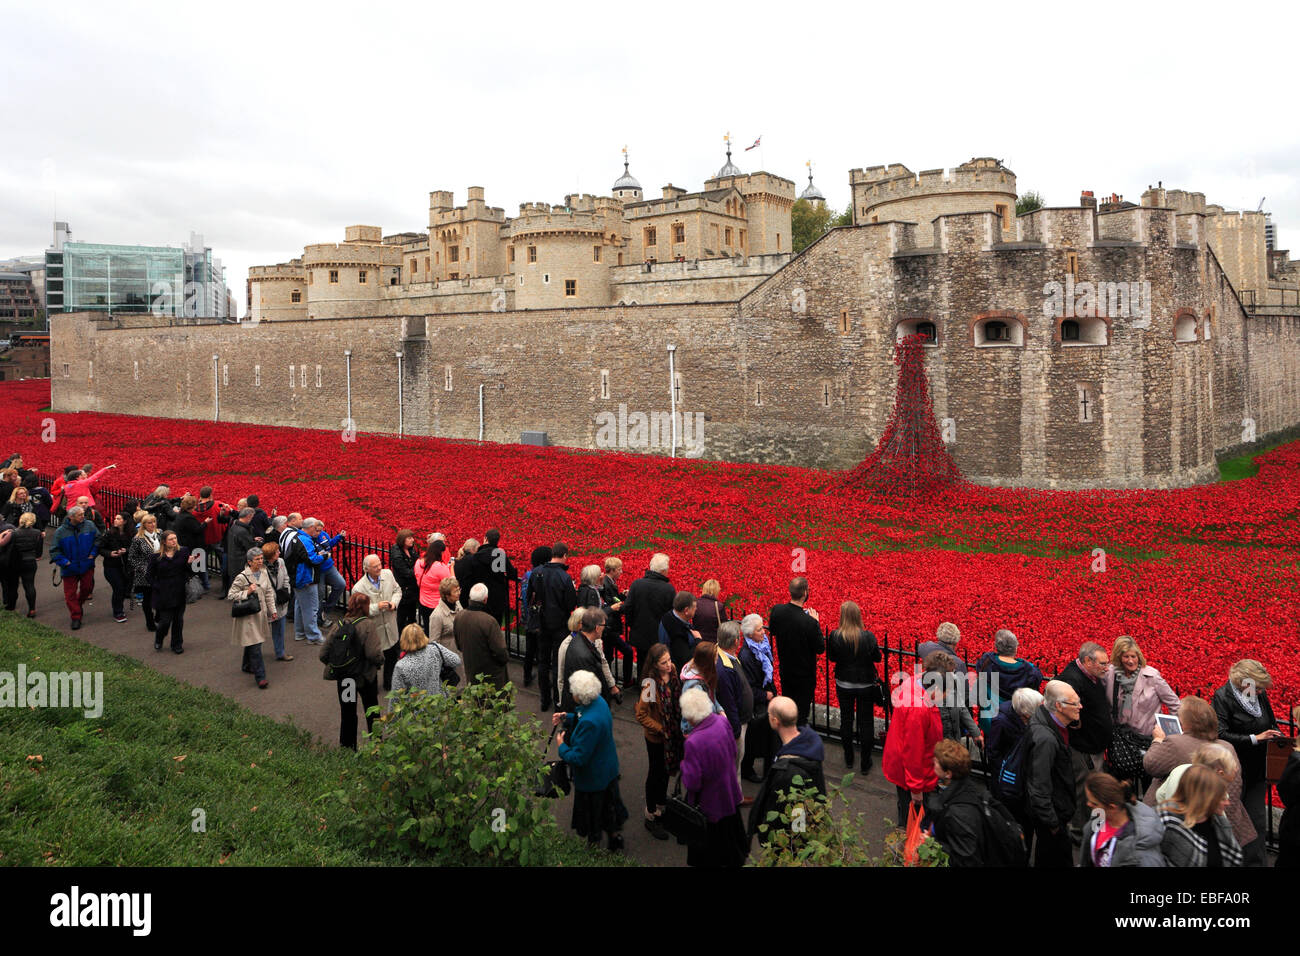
(719, 701)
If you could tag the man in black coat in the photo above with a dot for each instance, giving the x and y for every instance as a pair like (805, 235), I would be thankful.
(492, 566)
(261, 520)
(1049, 775)
(800, 754)
(1089, 742)
(675, 629)
(559, 598)
(799, 642)
(238, 541)
(648, 600)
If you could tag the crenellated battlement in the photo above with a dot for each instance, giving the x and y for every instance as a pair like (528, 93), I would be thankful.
(896, 181)
(292, 269)
(351, 253)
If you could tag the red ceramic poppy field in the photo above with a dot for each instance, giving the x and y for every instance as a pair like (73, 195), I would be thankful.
(1200, 577)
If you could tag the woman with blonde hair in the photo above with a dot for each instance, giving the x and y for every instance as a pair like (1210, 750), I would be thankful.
(1246, 721)
(144, 546)
(1136, 690)
(853, 651)
(1197, 834)
(425, 663)
(709, 611)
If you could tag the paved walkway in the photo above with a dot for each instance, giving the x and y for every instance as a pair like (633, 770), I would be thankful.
(298, 694)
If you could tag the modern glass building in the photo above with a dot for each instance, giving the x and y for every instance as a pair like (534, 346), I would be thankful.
(165, 280)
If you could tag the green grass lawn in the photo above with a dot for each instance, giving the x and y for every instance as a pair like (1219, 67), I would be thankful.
(123, 789)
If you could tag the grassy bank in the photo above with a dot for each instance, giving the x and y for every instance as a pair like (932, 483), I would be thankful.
(168, 775)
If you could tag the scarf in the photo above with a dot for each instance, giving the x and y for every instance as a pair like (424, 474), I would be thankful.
(1250, 704)
(763, 651)
(1124, 684)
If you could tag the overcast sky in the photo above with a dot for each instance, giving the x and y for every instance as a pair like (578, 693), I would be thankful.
(267, 127)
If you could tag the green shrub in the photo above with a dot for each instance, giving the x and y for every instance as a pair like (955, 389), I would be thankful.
(450, 778)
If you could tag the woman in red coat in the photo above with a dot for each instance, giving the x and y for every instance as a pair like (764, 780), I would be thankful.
(914, 729)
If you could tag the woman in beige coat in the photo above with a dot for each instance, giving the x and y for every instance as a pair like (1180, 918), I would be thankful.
(442, 621)
(251, 630)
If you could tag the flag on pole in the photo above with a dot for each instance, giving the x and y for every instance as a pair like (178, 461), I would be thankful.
(756, 142)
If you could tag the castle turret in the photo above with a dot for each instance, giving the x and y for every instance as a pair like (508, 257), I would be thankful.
(812, 193)
(626, 186)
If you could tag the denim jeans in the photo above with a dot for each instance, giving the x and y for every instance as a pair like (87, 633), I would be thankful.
(331, 586)
(304, 620)
(277, 637)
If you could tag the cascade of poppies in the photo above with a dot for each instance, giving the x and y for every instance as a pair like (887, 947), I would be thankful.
(910, 459)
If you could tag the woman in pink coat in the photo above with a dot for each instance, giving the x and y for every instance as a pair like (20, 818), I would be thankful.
(83, 484)
(1140, 688)
(429, 572)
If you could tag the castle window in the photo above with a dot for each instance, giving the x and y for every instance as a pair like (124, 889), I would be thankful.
(447, 382)
(727, 235)
(437, 258)
(620, 258)
(310, 274)
(546, 279)
(318, 376)
(742, 238)
(1209, 321)
(679, 233)
(66, 372)
(302, 376)
(1185, 327)
(136, 370)
(292, 380)
(844, 321)
(997, 330)
(716, 243)
(1072, 263)
(778, 242)
(532, 253)
(918, 327)
(1069, 331)
(758, 394)
(334, 277)
(875, 219)
(595, 253)
(426, 264)
(1087, 403)
(225, 374)
(361, 276)
(257, 375)
(512, 253)
(392, 280)
(604, 383)
(826, 395)
(651, 237)
(570, 288)
(295, 296)
(1001, 211)
(454, 275)
(453, 253)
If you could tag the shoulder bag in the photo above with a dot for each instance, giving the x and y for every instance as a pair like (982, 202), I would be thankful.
(683, 819)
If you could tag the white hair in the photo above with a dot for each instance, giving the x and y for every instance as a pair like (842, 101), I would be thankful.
(696, 706)
(479, 593)
(659, 562)
(584, 685)
(309, 523)
(1025, 701)
(750, 624)
(591, 574)
(365, 562)
(437, 536)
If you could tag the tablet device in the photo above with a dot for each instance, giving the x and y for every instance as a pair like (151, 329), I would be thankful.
(1169, 724)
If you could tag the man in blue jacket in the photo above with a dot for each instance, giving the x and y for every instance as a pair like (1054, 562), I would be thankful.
(303, 560)
(76, 544)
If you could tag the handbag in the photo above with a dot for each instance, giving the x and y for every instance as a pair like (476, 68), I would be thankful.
(246, 605)
(193, 590)
(683, 819)
(1127, 746)
(553, 782)
(449, 675)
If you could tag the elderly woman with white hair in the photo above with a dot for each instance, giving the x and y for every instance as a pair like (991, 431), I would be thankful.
(1005, 731)
(1246, 721)
(1007, 672)
(709, 779)
(586, 743)
(583, 650)
(757, 666)
(378, 584)
(251, 628)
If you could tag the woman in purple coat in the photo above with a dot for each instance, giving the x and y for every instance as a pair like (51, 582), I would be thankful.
(709, 778)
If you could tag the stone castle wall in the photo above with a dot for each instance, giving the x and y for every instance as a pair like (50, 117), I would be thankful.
(797, 371)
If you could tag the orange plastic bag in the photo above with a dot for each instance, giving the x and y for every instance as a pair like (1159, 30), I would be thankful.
(915, 833)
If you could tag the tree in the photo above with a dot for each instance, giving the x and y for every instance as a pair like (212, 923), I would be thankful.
(808, 223)
(845, 218)
(1028, 203)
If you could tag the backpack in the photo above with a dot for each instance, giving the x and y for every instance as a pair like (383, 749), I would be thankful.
(346, 653)
(1009, 781)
